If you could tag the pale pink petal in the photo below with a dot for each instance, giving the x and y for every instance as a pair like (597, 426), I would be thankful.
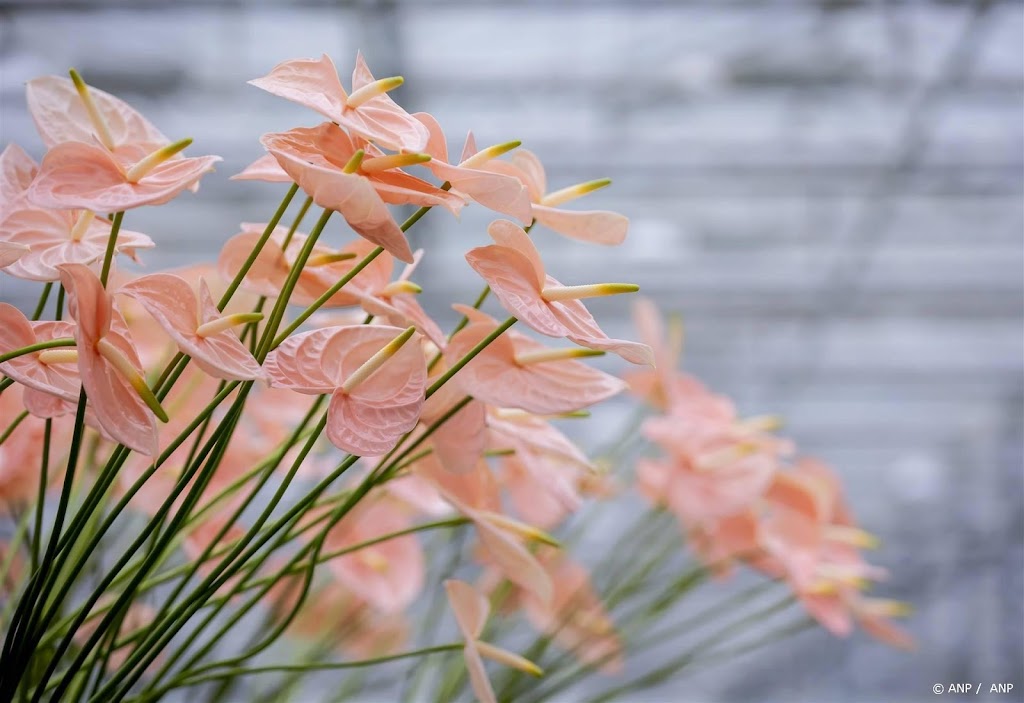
(78, 175)
(595, 226)
(371, 420)
(509, 234)
(174, 305)
(530, 166)
(58, 380)
(380, 119)
(512, 278)
(310, 82)
(267, 273)
(584, 330)
(469, 607)
(396, 187)
(10, 252)
(496, 191)
(60, 116)
(495, 377)
(17, 169)
(264, 168)
(299, 153)
(310, 362)
(515, 561)
(117, 407)
(459, 442)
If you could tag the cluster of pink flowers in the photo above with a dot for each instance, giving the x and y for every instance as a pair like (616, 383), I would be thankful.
(479, 403)
(739, 496)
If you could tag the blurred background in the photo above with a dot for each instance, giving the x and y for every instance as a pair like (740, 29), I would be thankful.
(829, 191)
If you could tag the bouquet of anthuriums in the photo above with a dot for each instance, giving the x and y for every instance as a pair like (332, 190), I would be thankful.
(276, 477)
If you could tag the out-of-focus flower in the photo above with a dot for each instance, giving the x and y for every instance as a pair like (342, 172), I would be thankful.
(516, 372)
(597, 226)
(11, 252)
(475, 495)
(575, 617)
(367, 112)
(375, 379)
(659, 385)
(513, 268)
(356, 182)
(111, 372)
(389, 574)
(196, 325)
(471, 610)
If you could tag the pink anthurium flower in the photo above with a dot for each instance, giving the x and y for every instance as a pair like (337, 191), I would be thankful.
(124, 406)
(57, 237)
(375, 379)
(327, 164)
(658, 385)
(516, 372)
(461, 440)
(394, 302)
(575, 617)
(103, 155)
(496, 191)
(269, 271)
(513, 268)
(49, 373)
(471, 610)
(597, 226)
(475, 495)
(196, 325)
(367, 112)
(389, 574)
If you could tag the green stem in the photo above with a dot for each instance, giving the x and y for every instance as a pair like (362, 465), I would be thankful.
(108, 256)
(43, 297)
(480, 346)
(13, 426)
(38, 346)
(41, 498)
(328, 666)
(264, 238)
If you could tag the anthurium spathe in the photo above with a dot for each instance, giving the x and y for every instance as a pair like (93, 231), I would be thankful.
(516, 372)
(496, 191)
(269, 270)
(389, 574)
(56, 237)
(78, 175)
(471, 610)
(122, 403)
(367, 112)
(513, 268)
(10, 252)
(339, 175)
(67, 110)
(17, 169)
(596, 226)
(376, 381)
(51, 373)
(196, 325)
